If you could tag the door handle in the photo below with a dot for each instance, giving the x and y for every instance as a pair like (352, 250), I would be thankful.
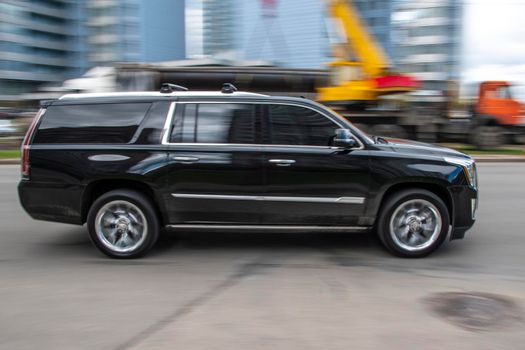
(185, 160)
(282, 162)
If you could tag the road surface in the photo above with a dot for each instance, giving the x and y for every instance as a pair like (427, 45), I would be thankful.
(265, 291)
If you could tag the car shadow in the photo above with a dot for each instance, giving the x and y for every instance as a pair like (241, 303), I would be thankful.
(346, 250)
(75, 241)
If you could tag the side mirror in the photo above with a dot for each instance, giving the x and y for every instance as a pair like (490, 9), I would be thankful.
(344, 138)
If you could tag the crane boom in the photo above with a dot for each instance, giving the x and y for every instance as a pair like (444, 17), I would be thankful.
(372, 57)
(360, 75)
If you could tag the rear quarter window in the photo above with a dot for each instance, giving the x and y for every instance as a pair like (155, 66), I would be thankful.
(91, 123)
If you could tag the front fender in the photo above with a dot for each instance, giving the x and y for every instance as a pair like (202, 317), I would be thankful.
(391, 174)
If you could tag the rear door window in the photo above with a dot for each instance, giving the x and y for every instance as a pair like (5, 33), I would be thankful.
(214, 123)
(111, 123)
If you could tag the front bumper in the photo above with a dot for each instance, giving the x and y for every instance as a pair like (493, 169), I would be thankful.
(465, 201)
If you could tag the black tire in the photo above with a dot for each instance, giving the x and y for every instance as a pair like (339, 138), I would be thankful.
(427, 133)
(362, 127)
(486, 137)
(147, 214)
(388, 130)
(405, 198)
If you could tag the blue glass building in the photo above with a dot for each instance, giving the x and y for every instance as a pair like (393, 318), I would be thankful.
(40, 42)
(135, 30)
(427, 40)
(292, 33)
(376, 14)
(43, 42)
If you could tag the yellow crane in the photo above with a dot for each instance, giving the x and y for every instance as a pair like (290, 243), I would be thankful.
(360, 70)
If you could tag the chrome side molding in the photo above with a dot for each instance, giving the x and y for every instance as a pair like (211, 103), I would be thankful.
(333, 200)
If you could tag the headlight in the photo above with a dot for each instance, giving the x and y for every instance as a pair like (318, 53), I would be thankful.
(469, 167)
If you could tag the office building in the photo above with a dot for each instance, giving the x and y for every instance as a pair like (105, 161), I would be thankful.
(289, 33)
(427, 40)
(376, 14)
(285, 33)
(135, 31)
(40, 43)
(44, 42)
(219, 21)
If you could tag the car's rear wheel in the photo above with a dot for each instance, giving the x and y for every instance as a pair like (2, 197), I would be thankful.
(123, 224)
(413, 223)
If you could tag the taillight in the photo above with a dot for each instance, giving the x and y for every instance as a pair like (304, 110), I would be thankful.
(27, 141)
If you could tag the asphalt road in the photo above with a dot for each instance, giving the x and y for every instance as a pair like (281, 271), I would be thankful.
(264, 291)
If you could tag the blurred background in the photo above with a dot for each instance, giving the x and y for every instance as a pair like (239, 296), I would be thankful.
(435, 70)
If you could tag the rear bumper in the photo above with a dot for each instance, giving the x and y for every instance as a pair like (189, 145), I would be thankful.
(51, 202)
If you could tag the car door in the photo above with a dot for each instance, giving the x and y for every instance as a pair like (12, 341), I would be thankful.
(214, 169)
(309, 182)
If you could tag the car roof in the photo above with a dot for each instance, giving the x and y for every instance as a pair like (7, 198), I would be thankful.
(148, 96)
(158, 94)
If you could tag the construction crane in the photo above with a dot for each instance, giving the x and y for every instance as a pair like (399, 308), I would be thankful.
(360, 70)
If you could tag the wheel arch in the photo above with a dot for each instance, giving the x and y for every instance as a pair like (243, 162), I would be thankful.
(98, 187)
(439, 190)
(486, 120)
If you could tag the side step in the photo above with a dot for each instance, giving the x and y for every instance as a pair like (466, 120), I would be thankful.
(267, 228)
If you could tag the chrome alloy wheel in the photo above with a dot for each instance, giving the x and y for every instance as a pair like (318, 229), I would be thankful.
(121, 226)
(415, 225)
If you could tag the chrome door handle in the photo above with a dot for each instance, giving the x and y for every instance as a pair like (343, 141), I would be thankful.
(282, 162)
(185, 160)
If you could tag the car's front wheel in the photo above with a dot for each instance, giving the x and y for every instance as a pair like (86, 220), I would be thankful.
(123, 224)
(413, 223)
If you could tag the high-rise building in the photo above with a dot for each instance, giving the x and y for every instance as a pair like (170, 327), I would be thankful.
(40, 42)
(135, 30)
(44, 42)
(376, 14)
(219, 26)
(427, 40)
(287, 33)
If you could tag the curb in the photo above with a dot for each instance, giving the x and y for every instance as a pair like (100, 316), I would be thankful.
(9, 161)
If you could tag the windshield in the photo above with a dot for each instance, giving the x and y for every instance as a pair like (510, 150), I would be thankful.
(518, 92)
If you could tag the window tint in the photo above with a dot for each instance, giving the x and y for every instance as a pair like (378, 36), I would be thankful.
(153, 126)
(294, 125)
(91, 123)
(214, 123)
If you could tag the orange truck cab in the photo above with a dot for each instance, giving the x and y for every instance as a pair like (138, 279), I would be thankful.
(497, 118)
(496, 105)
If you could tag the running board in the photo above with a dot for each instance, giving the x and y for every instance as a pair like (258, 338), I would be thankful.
(265, 228)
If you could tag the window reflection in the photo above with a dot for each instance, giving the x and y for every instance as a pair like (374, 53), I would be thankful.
(215, 123)
(294, 125)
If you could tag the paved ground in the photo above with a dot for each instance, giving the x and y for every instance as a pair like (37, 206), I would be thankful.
(261, 291)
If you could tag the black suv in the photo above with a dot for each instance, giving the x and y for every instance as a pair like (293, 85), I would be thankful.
(132, 164)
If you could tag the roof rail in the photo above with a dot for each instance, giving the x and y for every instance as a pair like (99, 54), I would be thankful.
(167, 88)
(228, 88)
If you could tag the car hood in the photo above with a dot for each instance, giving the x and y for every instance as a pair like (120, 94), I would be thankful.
(420, 148)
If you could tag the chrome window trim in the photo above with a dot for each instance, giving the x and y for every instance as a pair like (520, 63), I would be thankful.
(333, 200)
(172, 110)
(167, 123)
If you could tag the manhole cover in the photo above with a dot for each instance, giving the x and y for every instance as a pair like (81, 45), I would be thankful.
(475, 311)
